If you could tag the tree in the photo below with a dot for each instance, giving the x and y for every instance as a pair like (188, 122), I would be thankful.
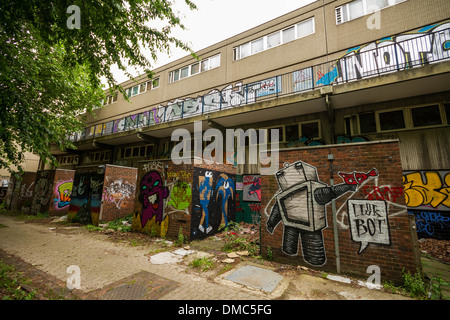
(53, 54)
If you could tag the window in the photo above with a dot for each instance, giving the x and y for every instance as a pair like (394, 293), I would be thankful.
(184, 72)
(359, 8)
(291, 133)
(291, 33)
(288, 34)
(367, 123)
(426, 116)
(305, 28)
(392, 120)
(257, 46)
(273, 40)
(310, 129)
(195, 68)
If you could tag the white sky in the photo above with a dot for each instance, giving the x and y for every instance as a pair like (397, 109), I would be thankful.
(217, 20)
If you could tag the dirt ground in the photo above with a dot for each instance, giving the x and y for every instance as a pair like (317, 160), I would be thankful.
(113, 256)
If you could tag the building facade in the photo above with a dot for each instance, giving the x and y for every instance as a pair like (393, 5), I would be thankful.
(333, 72)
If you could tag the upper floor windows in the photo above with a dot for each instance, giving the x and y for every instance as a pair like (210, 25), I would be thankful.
(197, 67)
(359, 8)
(143, 87)
(288, 34)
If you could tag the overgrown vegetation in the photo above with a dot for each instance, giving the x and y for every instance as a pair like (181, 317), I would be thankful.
(10, 284)
(204, 264)
(233, 242)
(418, 286)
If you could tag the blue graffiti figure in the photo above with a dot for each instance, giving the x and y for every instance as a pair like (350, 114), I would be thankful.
(225, 188)
(205, 188)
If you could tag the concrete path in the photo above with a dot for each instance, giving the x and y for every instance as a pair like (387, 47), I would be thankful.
(110, 270)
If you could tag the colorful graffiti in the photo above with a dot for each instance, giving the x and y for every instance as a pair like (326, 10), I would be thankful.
(432, 224)
(86, 198)
(427, 189)
(404, 51)
(152, 195)
(119, 192)
(212, 202)
(251, 188)
(300, 206)
(63, 191)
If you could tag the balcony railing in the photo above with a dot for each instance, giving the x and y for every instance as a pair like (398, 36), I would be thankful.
(429, 45)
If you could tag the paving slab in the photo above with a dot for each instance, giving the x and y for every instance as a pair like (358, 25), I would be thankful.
(256, 277)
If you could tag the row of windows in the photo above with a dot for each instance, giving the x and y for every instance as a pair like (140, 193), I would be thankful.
(403, 118)
(143, 87)
(291, 33)
(359, 8)
(195, 68)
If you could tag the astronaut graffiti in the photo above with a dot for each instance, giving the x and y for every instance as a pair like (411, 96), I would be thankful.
(300, 206)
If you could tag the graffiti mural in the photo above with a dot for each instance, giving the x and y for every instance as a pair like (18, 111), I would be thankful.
(300, 206)
(427, 189)
(390, 54)
(153, 192)
(118, 192)
(86, 198)
(427, 195)
(63, 191)
(252, 188)
(432, 224)
(368, 222)
(213, 201)
(42, 191)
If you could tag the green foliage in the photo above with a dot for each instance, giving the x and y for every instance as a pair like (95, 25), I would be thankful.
(180, 240)
(50, 74)
(10, 284)
(269, 253)
(414, 284)
(204, 263)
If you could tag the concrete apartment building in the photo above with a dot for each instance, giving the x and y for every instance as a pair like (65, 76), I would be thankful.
(364, 93)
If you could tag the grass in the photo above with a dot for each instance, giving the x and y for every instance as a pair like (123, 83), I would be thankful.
(204, 263)
(10, 284)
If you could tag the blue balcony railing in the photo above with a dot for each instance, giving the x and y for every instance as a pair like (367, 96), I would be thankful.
(430, 44)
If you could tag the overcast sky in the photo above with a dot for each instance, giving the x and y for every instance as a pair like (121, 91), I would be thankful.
(217, 20)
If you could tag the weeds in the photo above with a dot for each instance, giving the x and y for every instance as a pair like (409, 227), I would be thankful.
(10, 288)
(204, 263)
(235, 243)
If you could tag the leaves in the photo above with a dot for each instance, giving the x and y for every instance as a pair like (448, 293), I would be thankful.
(49, 73)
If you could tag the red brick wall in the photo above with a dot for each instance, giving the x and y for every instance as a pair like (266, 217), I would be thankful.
(373, 225)
(119, 189)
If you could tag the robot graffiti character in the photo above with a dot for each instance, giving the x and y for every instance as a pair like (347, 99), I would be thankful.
(300, 206)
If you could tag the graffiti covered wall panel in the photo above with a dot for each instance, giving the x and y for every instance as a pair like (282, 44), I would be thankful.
(163, 199)
(372, 223)
(213, 201)
(119, 191)
(427, 195)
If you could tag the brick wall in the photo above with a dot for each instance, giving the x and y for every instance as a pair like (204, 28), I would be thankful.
(373, 225)
(119, 188)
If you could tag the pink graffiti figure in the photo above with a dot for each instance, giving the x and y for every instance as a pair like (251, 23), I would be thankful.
(152, 196)
(356, 178)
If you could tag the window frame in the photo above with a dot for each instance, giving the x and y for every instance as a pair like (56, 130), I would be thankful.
(345, 10)
(204, 65)
(240, 49)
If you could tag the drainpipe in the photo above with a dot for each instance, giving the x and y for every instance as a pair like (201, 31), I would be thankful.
(333, 210)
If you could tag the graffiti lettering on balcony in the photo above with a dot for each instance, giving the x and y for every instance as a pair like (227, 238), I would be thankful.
(427, 189)
(390, 54)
